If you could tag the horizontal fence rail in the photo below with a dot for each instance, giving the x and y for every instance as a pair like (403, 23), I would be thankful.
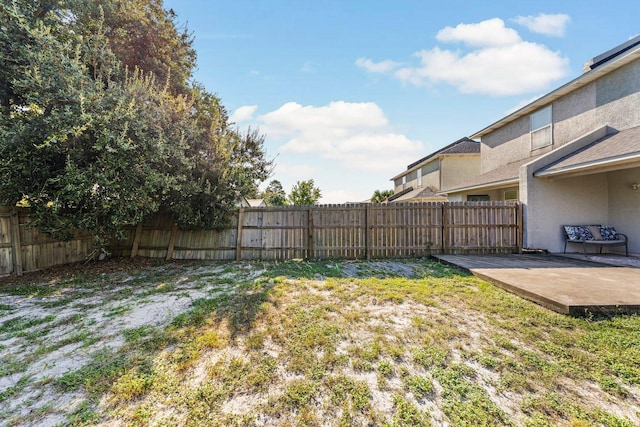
(362, 231)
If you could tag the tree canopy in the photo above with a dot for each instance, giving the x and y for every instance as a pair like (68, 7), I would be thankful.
(274, 194)
(380, 196)
(100, 125)
(304, 193)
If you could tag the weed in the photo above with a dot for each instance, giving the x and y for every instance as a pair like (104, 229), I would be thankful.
(420, 386)
(131, 385)
(406, 414)
(15, 389)
(466, 403)
(21, 323)
(345, 390)
(11, 364)
(118, 310)
(429, 357)
(83, 414)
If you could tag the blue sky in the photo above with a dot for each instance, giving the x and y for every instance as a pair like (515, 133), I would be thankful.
(350, 92)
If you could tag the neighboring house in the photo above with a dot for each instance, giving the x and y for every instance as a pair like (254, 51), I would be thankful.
(252, 203)
(446, 168)
(257, 203)
(571, 156)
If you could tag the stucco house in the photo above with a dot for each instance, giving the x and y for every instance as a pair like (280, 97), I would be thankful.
(571, 156)
(445, 168)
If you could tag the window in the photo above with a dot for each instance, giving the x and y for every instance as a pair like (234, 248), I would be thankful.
(477, 198)
(419, 177)
(404, 181)
(541, 132)
(511, 195)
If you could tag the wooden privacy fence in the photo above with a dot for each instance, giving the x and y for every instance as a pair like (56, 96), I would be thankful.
(24, 248)
(315, 232)
(337, 231)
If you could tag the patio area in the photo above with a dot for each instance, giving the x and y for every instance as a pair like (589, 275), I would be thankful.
(569, 284)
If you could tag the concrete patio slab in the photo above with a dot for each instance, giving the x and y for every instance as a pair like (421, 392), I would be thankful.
(566, 285)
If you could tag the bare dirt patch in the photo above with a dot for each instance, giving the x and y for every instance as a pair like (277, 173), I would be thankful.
(138, 342)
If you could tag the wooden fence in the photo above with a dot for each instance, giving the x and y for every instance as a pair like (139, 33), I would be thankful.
(337, 231)
(24, 248)
(315, 232)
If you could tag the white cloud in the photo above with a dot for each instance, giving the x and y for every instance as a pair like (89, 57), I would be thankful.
(353, 135)
(377, 67)
(496, 62)
(243, 114)
(491, 32)
(547, 24)
(505, 70)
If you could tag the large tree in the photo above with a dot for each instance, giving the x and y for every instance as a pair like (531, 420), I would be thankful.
(274, 194)
(304, 193)
(90, 141)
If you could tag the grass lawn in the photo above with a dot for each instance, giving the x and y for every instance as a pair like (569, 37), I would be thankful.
(395, 343)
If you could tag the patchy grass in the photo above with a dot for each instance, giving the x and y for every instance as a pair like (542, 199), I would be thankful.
(311, 343)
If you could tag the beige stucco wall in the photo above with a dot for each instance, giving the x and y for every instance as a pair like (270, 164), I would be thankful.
(612, 100)
(624, 205)
(604, 198)
(430, 177)
(550, 204)
(496, 194)
(456, 169)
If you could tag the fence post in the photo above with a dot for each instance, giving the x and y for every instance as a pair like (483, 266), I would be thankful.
(239, 235)
(443, 227)
(520, 229)
(16, 244)
(311, 250)
(367, 232)
(172, 242)
(136, 240)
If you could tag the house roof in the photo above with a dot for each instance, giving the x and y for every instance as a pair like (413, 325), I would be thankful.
(499, 177)
(461, 146)
(611, 150)
(411, 194)
(606, 63)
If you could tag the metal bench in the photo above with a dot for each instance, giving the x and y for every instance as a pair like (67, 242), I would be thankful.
(597, 235)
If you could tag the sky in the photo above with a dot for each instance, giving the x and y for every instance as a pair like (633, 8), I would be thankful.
(349, 92)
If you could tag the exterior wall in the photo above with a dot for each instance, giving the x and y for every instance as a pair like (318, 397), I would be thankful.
(551, 204)
(458, 169)
(505, 145)
(496, 194)
(578, 118)
(430, 177)
(611, 100)
(624, 205)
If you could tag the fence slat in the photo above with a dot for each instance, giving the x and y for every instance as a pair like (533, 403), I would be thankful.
(16, 243)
